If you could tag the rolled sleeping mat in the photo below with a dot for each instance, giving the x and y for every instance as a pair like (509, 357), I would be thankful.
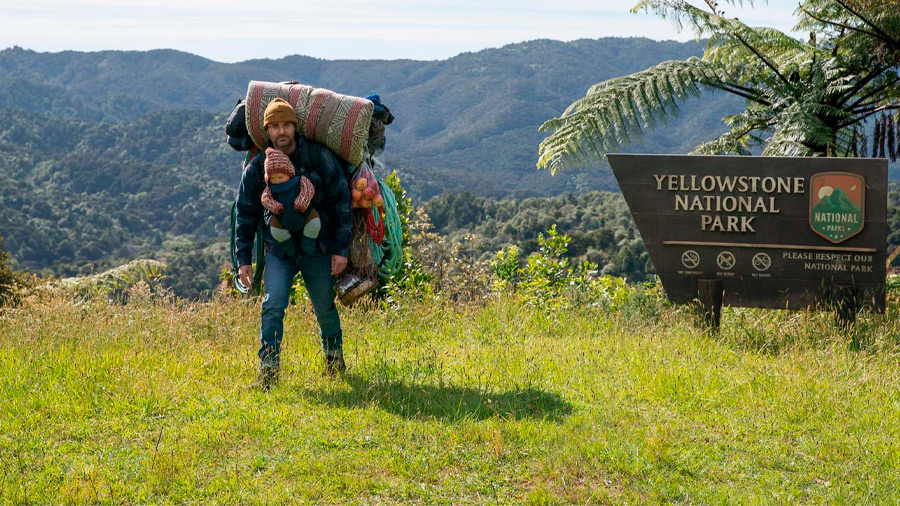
(340, 122)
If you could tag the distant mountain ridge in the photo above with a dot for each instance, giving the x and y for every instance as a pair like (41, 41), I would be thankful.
(468, 123)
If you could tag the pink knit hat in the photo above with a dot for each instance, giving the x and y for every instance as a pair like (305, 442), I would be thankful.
(276, 162)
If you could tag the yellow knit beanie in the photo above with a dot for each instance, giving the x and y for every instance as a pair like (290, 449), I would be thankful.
(279, 111)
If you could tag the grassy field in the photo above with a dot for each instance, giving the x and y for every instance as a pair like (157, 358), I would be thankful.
(151, 403)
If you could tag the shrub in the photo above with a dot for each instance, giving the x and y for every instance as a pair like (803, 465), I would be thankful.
(548, 280)
(505, 268)
(434, 264)
(115, 285)
(547, 271)
(12, 283)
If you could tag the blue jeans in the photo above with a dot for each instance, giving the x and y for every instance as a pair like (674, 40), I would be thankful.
(315, 268)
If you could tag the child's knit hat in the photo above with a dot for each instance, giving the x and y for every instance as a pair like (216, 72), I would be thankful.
(276, 162)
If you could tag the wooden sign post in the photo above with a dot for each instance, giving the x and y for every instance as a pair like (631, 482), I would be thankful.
(788, 233)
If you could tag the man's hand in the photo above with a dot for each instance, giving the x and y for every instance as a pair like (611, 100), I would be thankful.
(338, 264)
(245, 274)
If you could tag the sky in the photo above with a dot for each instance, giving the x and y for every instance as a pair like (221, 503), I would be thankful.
(232, 30)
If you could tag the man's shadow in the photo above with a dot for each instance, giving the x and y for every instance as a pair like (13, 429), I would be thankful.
(445, 402)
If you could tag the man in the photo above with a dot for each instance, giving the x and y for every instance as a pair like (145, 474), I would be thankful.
(317, 264)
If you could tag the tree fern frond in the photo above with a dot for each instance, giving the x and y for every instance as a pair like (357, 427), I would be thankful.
(803, 98)
(785, 147)
(683, 13)
(729, 143)
(614, 113)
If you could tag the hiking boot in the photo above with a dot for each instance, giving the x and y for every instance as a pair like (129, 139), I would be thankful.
(334, 363)
(268, 378)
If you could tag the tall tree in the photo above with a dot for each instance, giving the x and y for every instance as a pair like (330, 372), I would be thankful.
(803, 98)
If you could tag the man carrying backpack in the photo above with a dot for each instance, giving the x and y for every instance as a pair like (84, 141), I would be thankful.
(317, 267)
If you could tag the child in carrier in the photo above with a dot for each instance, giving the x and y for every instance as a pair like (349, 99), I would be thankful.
(289, 199)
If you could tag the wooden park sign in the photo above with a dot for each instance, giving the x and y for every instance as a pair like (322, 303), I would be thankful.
(786, 233)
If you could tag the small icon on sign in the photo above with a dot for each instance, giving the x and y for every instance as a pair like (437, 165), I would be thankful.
(761, 262)
(725, 260)
(690, 259)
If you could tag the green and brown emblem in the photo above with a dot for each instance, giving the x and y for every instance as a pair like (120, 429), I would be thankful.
(837, 203)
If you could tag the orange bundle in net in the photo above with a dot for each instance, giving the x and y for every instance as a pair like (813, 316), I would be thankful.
(366, 195)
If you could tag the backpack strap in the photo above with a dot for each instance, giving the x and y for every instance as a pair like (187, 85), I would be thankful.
(260, 247)
(260, 256)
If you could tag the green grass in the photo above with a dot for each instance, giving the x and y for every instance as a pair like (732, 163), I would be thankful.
(152, 404)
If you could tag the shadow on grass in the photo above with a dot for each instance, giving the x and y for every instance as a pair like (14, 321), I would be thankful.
(442, 402)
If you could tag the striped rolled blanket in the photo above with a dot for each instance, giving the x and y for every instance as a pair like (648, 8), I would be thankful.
(340, 122)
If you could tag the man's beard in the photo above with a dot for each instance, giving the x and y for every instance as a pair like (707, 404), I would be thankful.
(282, 141)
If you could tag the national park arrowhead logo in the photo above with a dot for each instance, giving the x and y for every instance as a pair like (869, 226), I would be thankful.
(837, 203)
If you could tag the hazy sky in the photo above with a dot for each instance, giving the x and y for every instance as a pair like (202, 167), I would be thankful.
(232, 30)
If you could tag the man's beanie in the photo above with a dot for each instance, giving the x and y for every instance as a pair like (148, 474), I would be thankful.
(279, 111)
(276, 162)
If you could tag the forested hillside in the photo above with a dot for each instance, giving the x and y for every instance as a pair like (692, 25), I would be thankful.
(468, 123)
(115, 155)
(598, 224)
(78, 196)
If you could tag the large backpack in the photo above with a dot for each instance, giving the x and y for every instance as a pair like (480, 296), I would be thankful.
(348, 126)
